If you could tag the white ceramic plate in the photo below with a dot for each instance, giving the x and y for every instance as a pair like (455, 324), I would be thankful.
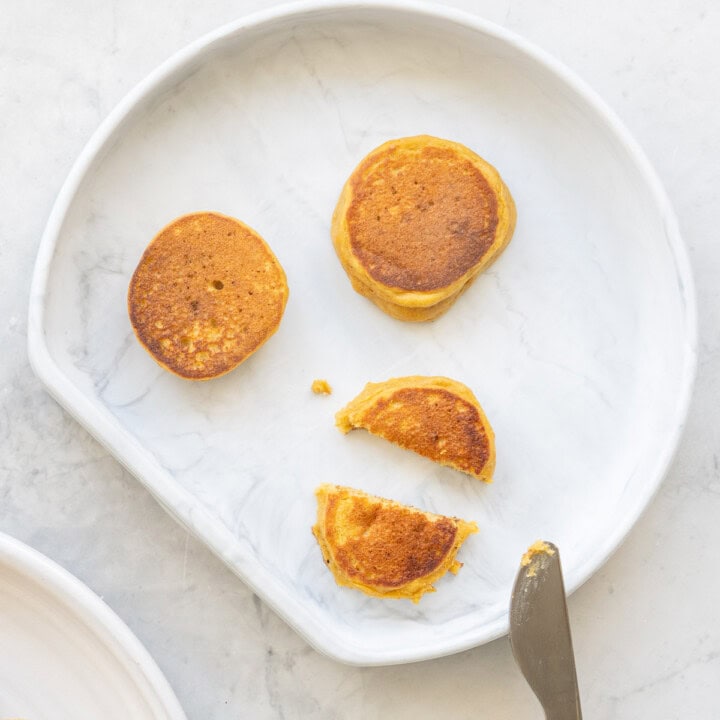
(579, 342)
(65, 654)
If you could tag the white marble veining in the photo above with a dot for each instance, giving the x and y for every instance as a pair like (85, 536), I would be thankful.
(646, 632)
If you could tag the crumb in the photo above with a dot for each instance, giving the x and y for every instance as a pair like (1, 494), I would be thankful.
(321, 387)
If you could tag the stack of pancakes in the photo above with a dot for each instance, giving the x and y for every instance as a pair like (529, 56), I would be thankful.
(417, 221)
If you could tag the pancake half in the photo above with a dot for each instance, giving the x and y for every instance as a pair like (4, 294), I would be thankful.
(206, 294)
(436, 417)
(417, 221)
(383, 548)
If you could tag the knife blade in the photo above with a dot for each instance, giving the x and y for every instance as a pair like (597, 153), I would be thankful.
(540, 632)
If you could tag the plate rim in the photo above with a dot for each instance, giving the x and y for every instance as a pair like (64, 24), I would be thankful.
(99, 618)
(179, 502)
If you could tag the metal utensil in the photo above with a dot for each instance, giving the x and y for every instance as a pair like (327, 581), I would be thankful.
(540, 633)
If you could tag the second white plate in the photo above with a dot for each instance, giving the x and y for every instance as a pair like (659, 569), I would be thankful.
(65, 655)
(579, 342)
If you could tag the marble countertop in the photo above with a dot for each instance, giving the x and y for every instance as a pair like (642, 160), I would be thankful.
(646, 627)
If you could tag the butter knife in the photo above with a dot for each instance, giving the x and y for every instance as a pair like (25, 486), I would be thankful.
(540, 633)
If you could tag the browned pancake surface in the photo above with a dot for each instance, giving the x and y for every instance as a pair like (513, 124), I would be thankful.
(383, 544)
(208, 291)
(433, 422)
(420, 218)
(435, 416)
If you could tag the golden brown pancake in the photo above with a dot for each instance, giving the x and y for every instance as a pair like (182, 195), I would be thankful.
(384, 548)
(417, 221)
(206, 294)
(436, 417)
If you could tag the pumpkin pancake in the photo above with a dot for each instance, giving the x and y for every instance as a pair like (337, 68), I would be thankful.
(384, 548)
(206, 294)
(436, 417)
(417, 221)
